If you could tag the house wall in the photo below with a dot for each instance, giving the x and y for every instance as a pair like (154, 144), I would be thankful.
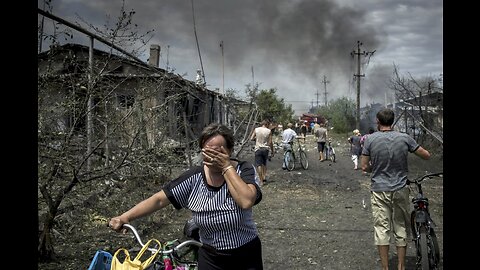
(159, 99)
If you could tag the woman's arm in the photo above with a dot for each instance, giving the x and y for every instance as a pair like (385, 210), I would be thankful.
(146, 207)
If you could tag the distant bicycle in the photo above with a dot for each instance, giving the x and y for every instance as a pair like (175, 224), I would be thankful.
(329, 151)
(289, 157)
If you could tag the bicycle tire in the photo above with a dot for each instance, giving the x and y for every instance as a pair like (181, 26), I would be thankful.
(332, 155)
(289, 160)
(413, 225)
(303, 159)
(423, 248)
(436, 249)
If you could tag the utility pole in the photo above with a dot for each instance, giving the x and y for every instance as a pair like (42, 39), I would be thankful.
(317, 94)
(358, 75)
(223, 70)
(198, 46)
(325, 88)
(40, 38)
(168, 49)
(253, 79)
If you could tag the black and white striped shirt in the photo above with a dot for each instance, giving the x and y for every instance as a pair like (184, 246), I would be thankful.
(223, 224)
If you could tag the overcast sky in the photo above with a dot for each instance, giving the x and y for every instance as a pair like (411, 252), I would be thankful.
(291, 45)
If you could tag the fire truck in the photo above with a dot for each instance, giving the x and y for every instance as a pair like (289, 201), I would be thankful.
(312, 118)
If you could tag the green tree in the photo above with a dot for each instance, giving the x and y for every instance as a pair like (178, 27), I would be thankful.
(340, 114)
(272, 107)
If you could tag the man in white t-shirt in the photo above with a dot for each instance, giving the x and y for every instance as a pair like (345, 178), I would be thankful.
(288, 135)
(263, 144)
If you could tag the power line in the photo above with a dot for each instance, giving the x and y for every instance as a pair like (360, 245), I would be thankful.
(223, 69)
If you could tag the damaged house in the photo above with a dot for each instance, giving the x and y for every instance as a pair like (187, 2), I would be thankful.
(417, 116)
(124, 98)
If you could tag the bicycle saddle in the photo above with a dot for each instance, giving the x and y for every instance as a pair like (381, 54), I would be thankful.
(191, 230)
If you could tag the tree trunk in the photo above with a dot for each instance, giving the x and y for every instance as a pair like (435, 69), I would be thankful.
(46, 251)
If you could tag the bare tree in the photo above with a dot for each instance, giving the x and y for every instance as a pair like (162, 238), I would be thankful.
(104, 118)
(420, 104)
(119, 126)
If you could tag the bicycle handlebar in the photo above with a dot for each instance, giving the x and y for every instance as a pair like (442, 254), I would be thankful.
(179, 246)
(423, 177)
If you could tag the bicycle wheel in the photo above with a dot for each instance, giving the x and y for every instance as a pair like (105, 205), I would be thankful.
(289, 160)
(423, 248)
(413, 225)
(303, 159)
(436, 249)
(332, 154)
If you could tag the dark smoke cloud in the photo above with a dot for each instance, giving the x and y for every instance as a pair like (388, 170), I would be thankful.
(291, 44)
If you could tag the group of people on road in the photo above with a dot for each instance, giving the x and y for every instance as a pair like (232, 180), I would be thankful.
(221, 192)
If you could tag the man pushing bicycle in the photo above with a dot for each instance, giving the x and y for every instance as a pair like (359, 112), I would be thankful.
(288, 135)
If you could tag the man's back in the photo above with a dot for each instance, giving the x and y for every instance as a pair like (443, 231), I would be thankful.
(388, 153)
(262, 134)
(288, 135)
(321, 134)
(385, 154)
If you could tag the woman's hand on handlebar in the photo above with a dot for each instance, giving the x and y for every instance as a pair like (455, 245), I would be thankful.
(116, 224)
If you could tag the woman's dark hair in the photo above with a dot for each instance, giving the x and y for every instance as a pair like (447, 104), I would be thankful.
(215, 129)
(386, 117)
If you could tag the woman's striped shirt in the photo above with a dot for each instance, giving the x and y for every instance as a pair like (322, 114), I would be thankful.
(223, 224)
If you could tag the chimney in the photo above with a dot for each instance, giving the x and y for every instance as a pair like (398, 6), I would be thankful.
(154, 58)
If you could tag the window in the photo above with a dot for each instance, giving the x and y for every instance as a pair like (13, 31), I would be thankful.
(125, 101)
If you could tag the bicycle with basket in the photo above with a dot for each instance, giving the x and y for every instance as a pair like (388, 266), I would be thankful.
(422, 226)
(171, 255)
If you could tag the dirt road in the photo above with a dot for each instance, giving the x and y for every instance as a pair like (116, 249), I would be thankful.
(318, 218)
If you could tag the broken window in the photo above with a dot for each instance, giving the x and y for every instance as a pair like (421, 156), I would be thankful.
(125, 101)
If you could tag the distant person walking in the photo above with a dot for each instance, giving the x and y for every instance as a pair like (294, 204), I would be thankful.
(263, 144)
(355, 147)
(362, 140)
(322, 135)
(315, 127)
(385, 155)
(303, 129)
